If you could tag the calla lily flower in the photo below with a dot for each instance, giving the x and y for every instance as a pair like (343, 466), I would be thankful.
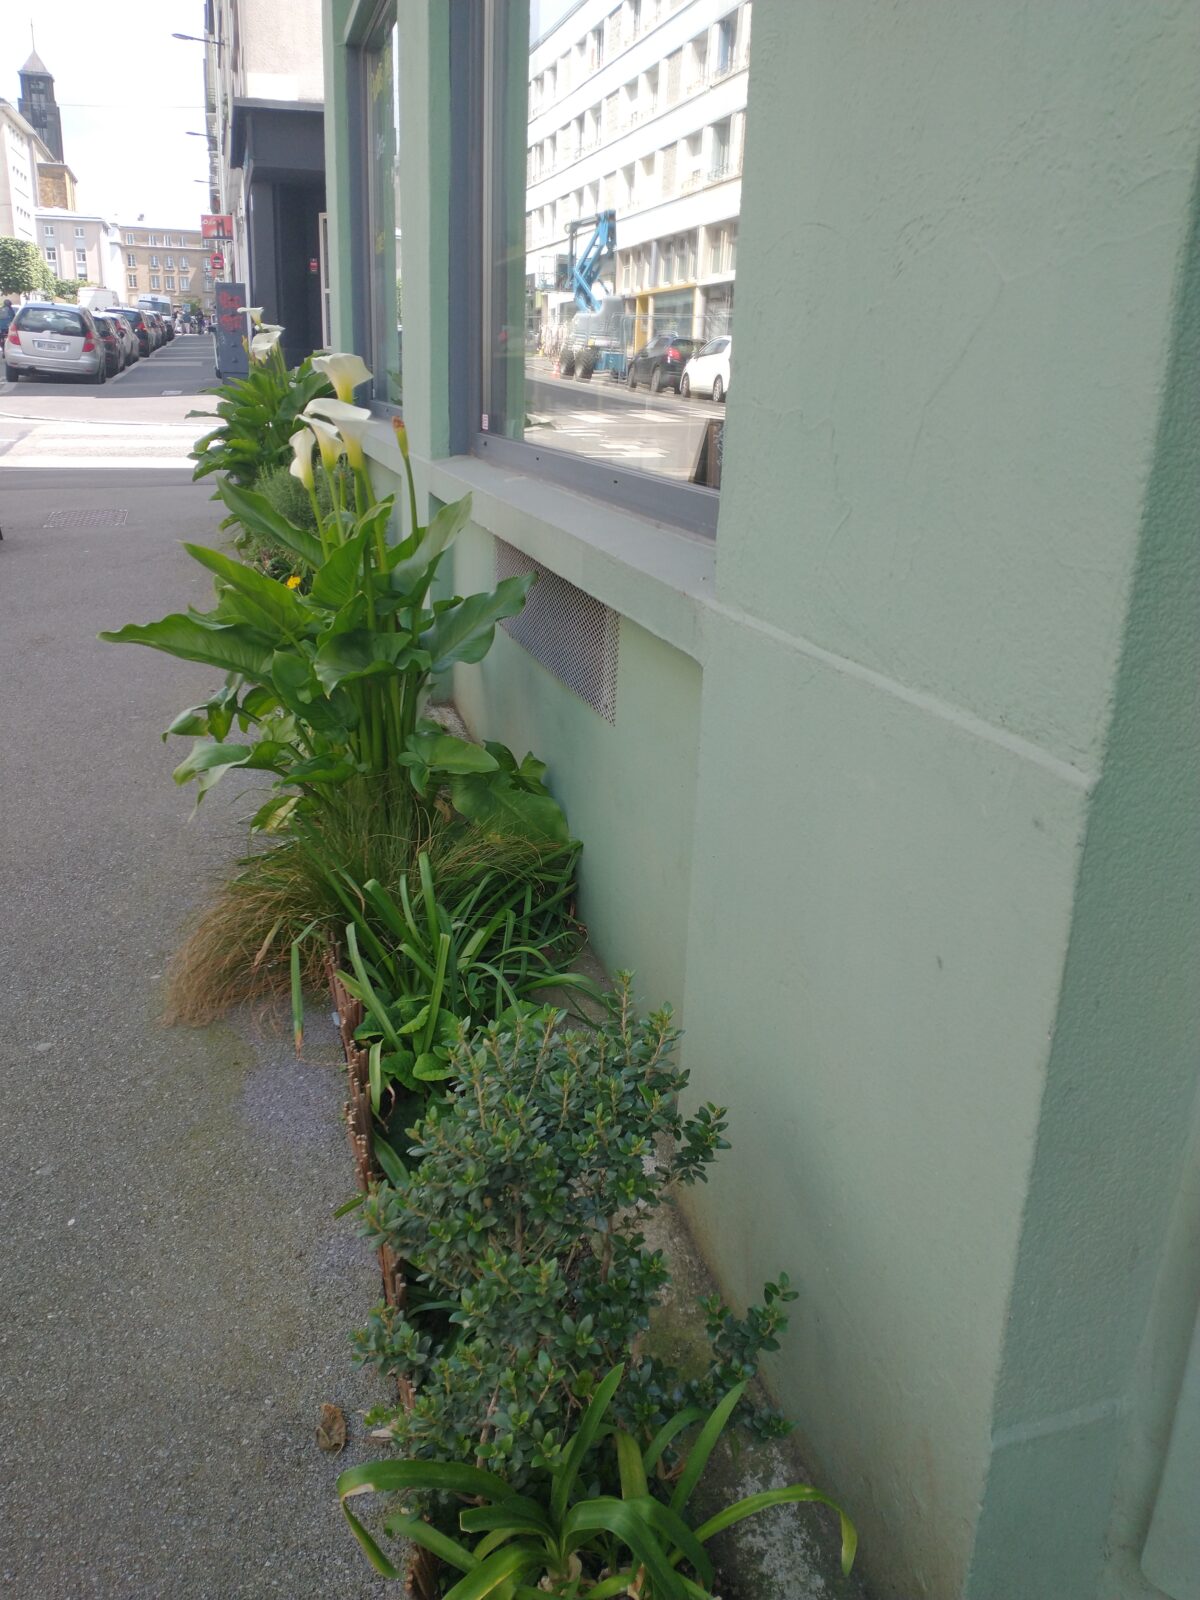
(350, 421)
(263, 343)
(302, 443)
(329, 441)
(345, 372)
(254, 313)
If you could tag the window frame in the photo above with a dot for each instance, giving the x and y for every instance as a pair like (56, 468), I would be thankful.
(479, 44)
(368, 31)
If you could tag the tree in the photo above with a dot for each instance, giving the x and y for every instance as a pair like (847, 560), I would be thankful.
(21, 267)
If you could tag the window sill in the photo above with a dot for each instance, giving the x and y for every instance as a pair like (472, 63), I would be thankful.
(660, 577)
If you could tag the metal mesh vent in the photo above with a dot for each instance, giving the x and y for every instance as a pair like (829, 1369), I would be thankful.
(96, 517)
(573, 635)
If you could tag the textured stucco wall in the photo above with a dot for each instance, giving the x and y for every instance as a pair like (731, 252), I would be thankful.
(281, 50)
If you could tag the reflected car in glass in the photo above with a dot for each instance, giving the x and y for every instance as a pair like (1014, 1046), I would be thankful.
(47, 338)
(660, 363)
(707, 373)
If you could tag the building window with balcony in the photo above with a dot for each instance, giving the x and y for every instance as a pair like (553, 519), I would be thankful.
(153, 239)
(130, 238)
(169, 263)
(169, 284)
(154, 281)
(153, 261)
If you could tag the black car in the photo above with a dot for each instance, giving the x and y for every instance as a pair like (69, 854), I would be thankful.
(114, 350)
(661, 362)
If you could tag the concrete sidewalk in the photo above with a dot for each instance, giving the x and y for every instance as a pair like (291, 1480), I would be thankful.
(176, 1299)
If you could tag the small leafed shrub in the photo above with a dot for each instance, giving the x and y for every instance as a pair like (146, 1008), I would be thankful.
(522, 1217)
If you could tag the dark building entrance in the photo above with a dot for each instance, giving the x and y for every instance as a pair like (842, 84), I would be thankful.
(280, 147)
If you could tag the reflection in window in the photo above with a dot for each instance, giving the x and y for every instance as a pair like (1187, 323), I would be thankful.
(628, 234)
(387, 295)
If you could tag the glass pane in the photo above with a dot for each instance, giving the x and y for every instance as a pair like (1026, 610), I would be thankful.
(383, 110)
(621, 264)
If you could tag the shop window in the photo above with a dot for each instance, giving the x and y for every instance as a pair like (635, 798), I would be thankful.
(385, 336)
(642, 309)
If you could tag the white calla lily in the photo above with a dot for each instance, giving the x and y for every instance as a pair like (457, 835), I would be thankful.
(302, 443)
(254, 313)
(263, 343)
(345, 372)
(350, 422)
(328, 440)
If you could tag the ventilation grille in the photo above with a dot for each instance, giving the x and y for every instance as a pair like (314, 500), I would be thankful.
(571, 633)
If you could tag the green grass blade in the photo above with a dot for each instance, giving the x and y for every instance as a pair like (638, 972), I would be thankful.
(795, 1494)
(497, 1572)
(680, 1421)
(369, 1548)
(420, 1532)
(630, 1467)
(568, 1469)
(705, 1444)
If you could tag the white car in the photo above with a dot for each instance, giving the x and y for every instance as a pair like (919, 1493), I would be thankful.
(708, 370)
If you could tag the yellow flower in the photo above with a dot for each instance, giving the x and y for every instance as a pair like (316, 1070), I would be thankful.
(294, 581)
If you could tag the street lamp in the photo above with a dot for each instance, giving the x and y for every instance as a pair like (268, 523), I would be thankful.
(196, 38)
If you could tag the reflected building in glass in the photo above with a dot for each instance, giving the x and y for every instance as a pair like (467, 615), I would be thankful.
(638, 108)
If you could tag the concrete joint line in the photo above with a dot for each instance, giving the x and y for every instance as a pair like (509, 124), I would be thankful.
(973, 726)
(1061, 1422)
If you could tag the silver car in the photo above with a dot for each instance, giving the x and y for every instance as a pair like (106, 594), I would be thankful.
(49, 338)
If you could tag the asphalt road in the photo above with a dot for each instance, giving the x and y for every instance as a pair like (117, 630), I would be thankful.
(605, 421)
(176, 1298)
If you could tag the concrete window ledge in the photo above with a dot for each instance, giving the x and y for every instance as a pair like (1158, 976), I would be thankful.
(659, 577)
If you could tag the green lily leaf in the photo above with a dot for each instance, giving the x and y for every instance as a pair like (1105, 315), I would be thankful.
(272, 605)
(498, 805)
(210, 756)
(444, 752)
(412, 566)
(233, 648)
(341, 577)
(465, 633)
(362, 653)
(255, 511)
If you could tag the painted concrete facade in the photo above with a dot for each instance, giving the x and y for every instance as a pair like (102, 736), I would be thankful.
(20, 152)
(85, 247)
(899, 801)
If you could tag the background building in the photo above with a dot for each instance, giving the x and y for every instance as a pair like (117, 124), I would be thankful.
(641, 109)
(20, 152)
(39, 107)
(264, 95)
(166, 261)
(81, 246)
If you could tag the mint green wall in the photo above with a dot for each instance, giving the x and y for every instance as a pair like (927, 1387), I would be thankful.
(932, 512)
(628, 787)
(897, 807)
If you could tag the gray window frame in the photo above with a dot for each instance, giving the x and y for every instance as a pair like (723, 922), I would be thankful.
(477, 48)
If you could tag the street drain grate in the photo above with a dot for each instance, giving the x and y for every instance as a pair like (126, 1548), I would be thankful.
(92, 518)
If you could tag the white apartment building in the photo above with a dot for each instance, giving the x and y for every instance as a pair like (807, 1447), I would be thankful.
(81, 246)
(640, 107)
(20, 152)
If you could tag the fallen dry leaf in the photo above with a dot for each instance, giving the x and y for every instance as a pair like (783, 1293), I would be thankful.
(331, 1432)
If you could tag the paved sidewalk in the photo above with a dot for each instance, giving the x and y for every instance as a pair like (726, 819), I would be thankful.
(175, 1297)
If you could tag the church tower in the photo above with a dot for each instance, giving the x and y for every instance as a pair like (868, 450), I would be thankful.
(38, 105)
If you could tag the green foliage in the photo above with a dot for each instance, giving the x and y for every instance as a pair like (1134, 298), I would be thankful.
(565, 1537)
(287, 495)
(258, 416)
(330, 682)
(522, 1216)
(64, 288)
(426, 965)
(22, 269)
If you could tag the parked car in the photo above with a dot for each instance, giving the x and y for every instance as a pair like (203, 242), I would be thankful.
(139, 327)
(47, 337)
(114, 346)
(708, 370)
(661, 362)
(154, 323)
(124, 331)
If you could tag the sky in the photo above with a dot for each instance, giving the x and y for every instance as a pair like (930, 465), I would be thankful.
(125, 123)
